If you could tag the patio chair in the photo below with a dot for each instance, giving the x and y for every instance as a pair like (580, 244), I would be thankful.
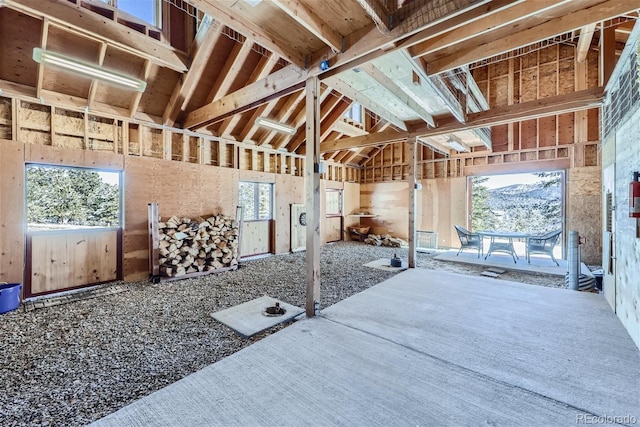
(468, 240)
(543, 244)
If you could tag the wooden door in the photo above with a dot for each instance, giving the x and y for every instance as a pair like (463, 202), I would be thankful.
(256, 237)
(298, 228)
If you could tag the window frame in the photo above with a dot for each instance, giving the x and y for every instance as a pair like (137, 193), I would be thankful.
(121, 207)
(256, 201)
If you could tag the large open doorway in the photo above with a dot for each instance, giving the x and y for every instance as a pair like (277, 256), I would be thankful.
(529, 203)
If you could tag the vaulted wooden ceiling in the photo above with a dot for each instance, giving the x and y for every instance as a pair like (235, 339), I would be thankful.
(408, 65)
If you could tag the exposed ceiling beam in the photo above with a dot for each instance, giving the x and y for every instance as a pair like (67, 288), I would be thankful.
(502, 16)
(225, 12)
(584, 41)
(311, 22)
(201, 51)
(326, 125)
(44, 35)
(77, 19)
(438, 87)
(362, 45)
(345, 128)
(397, 92)
(135, 101)
(504, 43)
(284, 115)
(276, 85)
(233, 64)
(262, 69)
(291, 142)
(93, 88)
(577, 101)
(366, 102)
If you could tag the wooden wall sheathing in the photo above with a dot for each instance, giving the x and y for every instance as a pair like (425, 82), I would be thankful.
(441, 205)
(207, 190)
(12, 215)
(388, 200)
(584, 198)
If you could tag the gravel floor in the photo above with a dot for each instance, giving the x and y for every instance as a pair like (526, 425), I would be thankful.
(74, 363)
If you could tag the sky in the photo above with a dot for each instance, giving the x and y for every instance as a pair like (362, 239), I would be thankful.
(110, 177)
(142, 9)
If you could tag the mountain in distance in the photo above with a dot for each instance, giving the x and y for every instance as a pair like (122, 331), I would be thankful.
(504, 198)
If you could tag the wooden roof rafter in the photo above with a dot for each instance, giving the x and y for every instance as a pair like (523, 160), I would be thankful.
(362, 44)
(292, 104)
(560, 104)
(265, 67)
(226, 14)
(499, 42)
(235, 61)
(43, 45)
(312, 22)
(201, 50)
(94, 83)
(368, 103)
(397, 92)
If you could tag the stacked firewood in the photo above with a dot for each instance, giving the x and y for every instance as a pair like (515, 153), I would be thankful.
(384, 240)
(197, 245)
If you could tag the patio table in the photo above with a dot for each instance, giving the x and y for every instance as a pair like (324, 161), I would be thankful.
(502, 241)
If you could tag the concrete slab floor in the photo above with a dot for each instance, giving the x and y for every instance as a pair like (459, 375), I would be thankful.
(422, 348)
(539, 263)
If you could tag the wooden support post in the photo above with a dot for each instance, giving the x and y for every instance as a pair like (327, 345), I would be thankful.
(86, 130)
(222, 154)
(312, 187)
(115, 136)
(206, 151)
(411, 148)
(15, 127)
(125, 138)
(200, 153)
(185, 148)
(166, 144)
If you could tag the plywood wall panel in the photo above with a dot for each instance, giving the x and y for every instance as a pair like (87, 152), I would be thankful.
(12, 215)
(388, 200)
(179, 189)
(71, 157)
(583, 210)
(442, 205)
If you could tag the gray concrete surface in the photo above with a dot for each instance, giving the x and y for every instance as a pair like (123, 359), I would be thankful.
(539, 263)
(385, 264)
(422, 348)
(248, 319)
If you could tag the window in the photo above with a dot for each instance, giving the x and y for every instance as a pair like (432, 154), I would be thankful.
(71, 198)
(147, 10)
(257, 200)
(354, 113)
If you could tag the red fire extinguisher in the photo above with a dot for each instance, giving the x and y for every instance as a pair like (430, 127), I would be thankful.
(634, 197)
